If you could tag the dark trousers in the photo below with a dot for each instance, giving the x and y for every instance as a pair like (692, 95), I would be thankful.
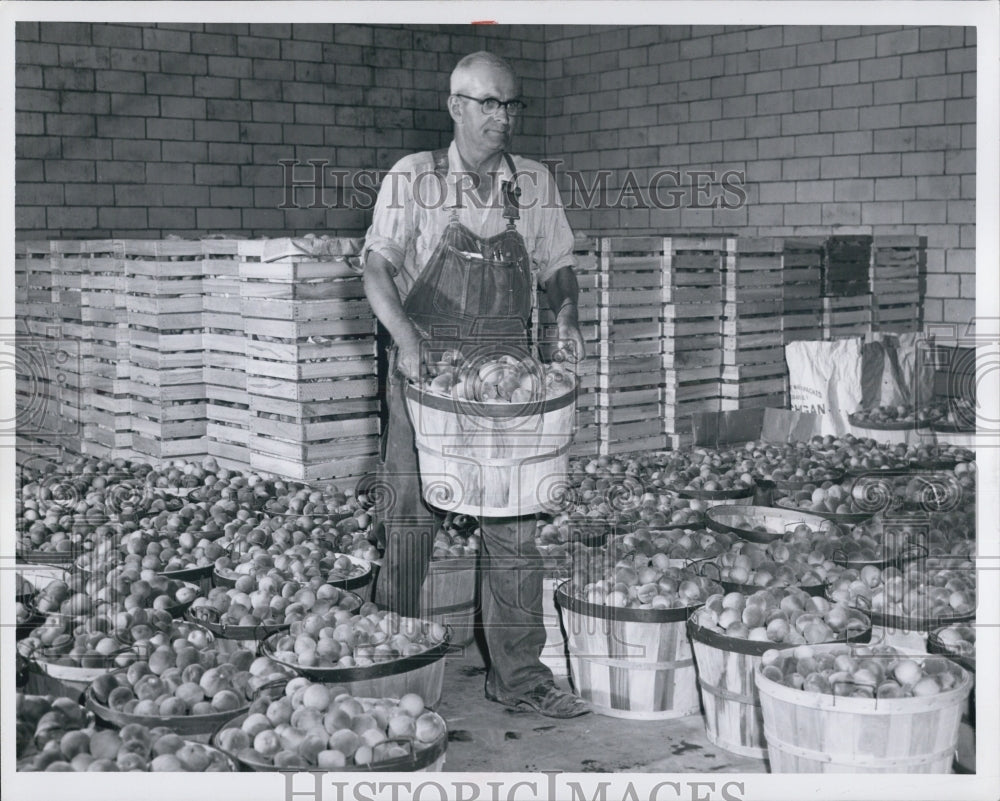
(510, 565)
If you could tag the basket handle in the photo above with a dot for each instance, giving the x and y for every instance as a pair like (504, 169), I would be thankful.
(852, 683)
(706, 563)
(863, 602)
(273, 684)
(402, 741)
(208, 611)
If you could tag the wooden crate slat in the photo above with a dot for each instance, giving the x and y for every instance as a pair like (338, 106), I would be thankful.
(354, 467)
(311, 391)
(304, 310)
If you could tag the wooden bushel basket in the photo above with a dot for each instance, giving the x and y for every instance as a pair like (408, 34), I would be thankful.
(492, 459)
(726, 668)
(449, 596)
(630, 663)
(819, 733)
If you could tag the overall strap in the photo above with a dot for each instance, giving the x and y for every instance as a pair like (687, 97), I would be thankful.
(511, 192)
(440, 159)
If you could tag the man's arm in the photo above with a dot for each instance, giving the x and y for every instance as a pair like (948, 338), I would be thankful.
(562, 291)
(384, 299)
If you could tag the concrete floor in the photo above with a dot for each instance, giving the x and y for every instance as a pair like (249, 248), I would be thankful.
(486, 737)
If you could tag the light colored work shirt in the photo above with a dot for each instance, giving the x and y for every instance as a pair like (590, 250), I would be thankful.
(412, 211)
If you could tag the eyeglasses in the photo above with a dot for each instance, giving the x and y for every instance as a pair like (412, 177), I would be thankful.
(490, 105)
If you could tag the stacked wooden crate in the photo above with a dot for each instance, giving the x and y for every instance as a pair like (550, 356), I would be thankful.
(691, 352)
(164, 312)
(588, 273)
(847, 298)
(224, 342)
(46, 365)
(753, 372)
(897, 268)
(90, 275)
(802, 289)
(630, 373)
(311, 373)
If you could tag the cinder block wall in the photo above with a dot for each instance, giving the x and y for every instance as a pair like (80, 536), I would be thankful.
(146, 131)
(837, 130)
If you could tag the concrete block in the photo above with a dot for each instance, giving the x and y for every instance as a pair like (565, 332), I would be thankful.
(857, 95)
(854, 189)
(918, 212)
(841, 72)
(814, 145)
(841, 119)
(806, 122)
(901, 91)
(159, 83)
(169, 129)
(230, 67)
(856, 48)
(895, 189)
(928, 162)
(898, 42)
(878, 213)
(841, 214)
(848, 142)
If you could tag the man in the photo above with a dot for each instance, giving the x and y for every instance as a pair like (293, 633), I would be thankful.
(451, 261)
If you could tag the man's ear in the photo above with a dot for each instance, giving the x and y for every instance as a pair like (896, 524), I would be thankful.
(455, 107)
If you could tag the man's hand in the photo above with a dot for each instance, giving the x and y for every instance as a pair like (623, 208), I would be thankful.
(570, 343)
(410, 361)
(384, 299)
(562, 290)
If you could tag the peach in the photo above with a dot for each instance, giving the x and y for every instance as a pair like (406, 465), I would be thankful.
(337, 718)
(104, 744)
(149, 687)
(267, 743)
(148, 706)
(401, 725)
(316, 696)
(310, 747)
(167, 744)
(202, 708)
(306, 718)
(102, 766)
(364, 755)
(412, 704)
(136, 671)
(430, 727)
(165, 763)
(345, 741)
(194, 757)
(128, 761)
(255, 723)
(279, 711)
(73, 743)
(212, 681)
(226, 701)
(233, 740)
(331, 760)
(59, 767)
(172, 706)
(190, 693)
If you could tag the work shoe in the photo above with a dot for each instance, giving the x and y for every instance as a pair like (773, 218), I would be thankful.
(545, 699)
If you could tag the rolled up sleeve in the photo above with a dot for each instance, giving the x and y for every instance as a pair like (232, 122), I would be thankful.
(554, 246)
(392, 227)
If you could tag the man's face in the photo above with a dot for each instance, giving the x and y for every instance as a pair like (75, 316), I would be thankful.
(490, 132)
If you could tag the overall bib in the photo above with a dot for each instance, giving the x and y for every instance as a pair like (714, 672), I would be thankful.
(475, 295)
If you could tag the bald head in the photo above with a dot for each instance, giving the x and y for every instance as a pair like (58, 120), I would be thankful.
(476, 64)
